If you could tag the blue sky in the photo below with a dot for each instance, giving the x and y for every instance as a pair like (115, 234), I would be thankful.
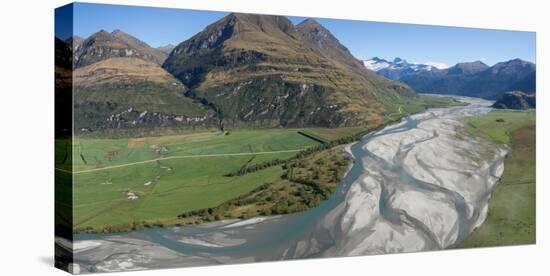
(415, 43)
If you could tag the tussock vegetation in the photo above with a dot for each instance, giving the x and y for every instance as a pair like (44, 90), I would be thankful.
(122, 71)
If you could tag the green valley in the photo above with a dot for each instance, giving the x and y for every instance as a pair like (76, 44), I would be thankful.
(152, 180)
(511, 218)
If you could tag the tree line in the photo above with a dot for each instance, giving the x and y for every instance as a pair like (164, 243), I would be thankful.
(304, 153)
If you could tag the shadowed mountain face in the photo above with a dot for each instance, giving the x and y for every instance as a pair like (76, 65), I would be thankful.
(261, 70)
(476, 79)
(63, 88)
(63, 56)
(515, 100)
(103, 45)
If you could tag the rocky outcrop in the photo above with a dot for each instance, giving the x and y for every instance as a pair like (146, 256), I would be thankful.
(516, 100)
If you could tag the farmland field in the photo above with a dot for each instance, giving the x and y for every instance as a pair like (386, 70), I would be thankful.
(153, 179)
(99, 153)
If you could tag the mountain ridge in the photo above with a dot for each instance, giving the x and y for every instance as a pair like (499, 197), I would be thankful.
(119, 84)
(103, 45)
(515, 100)
(474, 79)
(397, 68)
(167, 48)
(263, 70)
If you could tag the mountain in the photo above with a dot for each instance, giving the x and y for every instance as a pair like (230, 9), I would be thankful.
(376, 64)
(63, 57)
(103, 45)
(166, 48)
(74, 42)
(516, 100)
(476, 79)
(397, 68)
(119, 84)
(468, 68)
(130, 92)
(261, 70)
(319, 38)
(63, 88)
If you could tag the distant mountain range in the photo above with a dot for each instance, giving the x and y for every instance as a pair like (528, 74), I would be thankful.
(468, 79)
(397, 68)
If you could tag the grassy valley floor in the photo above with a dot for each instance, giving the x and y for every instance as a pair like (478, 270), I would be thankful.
(304, 184)
(121, 182)
(125, 184)
(128, 183)
(511, 219)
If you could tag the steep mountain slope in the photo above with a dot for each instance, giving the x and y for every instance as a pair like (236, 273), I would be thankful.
(516, 100)
(505, 76)
(103, 45)
(133, 93)
(319, 38)
(476, 79)
(261, 70)
(528, 83)
(118, 84)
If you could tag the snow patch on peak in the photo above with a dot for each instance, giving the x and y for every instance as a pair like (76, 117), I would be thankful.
(376, 64)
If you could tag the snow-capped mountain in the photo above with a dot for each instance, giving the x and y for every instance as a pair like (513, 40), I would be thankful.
(397, 68)
(376, 64)
(474, 79)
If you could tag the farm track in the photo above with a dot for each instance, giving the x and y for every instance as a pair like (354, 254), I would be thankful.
(178, 157)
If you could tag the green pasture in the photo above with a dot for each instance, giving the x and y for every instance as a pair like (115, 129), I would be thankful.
(98, 153)
(499, 124)
(512, 208)
(159, 190)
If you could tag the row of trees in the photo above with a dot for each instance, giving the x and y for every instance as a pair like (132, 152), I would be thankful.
(117, 228)
(304, 153)
(254, 168)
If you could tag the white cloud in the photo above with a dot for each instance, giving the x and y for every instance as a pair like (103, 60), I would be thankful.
(438, 65)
